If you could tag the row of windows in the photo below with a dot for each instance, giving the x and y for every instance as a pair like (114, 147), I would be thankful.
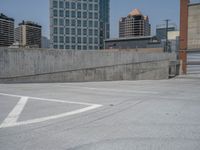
(74, 31)
(75, 23)
(75, 47)
(75, 40)
(75, 14)
(76, 5)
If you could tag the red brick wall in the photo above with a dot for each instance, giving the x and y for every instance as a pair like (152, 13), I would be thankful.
(183, 34)
(183, 24)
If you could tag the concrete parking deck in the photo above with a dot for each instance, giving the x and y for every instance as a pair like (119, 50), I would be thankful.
(121, 115)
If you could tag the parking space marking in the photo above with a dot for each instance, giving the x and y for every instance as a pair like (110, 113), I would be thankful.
(15, 113)
(46, 99)
(11, 120)
(113, 90)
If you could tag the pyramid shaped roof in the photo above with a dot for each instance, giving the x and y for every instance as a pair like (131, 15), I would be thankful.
(135, 12)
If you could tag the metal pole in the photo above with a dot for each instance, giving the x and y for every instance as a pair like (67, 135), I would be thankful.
(166, 43)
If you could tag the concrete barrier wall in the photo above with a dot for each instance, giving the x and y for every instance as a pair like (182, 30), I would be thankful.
(146, 50)
(48, 65)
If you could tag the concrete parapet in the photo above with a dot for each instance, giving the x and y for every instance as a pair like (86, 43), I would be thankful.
(49, 65)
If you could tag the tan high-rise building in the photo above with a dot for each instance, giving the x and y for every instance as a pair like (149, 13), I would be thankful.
(134, 25)
(28, 34)
(6, 31)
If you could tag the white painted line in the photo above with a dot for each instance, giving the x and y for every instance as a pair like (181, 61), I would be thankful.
(112, 90)
(50, 117)
(15, 113)
(49, 100)
(11, 120)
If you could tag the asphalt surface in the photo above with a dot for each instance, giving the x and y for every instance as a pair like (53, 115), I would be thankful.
(121, 115)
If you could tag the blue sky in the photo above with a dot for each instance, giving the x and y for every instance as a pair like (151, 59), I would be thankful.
(38, 11)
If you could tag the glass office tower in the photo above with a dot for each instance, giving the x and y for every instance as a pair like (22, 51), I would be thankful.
(74, 24)
(78, 24)
(104, 21)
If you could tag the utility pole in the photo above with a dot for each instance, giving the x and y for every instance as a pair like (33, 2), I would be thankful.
(167, 43)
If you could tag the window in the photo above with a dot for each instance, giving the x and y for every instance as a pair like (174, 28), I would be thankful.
(90, 15)
(61, 22)
(67, 13)
(61, 39)
(96, 7)
(55, 13)
(61, 5)
(55, 30)
(73, 23)
(90, 32)
(61, 30)
(73, 47)
(84, 47)
(90, 40)
(61, 46)
(79, 23)
(67, 40)
(67, 31)
(85, 40)
(67, 5)
(96, 24)
(79, 14)
(96, 15)
(61, 13)
(79, 40)
(79, 6)
(55, 21)
(90, 23)
(90, 7)
(73, 31)
(84, 6)
(55, 4)
(79, 47)
(90, 47)
(84, 14)
(67, 22)
(96, 32)
(79, 31)
(96, 40)
(55, 46)
(55, 39)
(73, 14)
(85, 23)
(67, 47)
(84, 31)
(73, 5)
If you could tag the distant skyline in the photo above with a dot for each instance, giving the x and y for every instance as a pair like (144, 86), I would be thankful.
(38, 11)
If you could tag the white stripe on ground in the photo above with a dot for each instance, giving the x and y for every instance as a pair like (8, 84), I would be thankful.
(15, 113)
(49, 100)
(11, 120)
(50, 117)
(111, 90)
